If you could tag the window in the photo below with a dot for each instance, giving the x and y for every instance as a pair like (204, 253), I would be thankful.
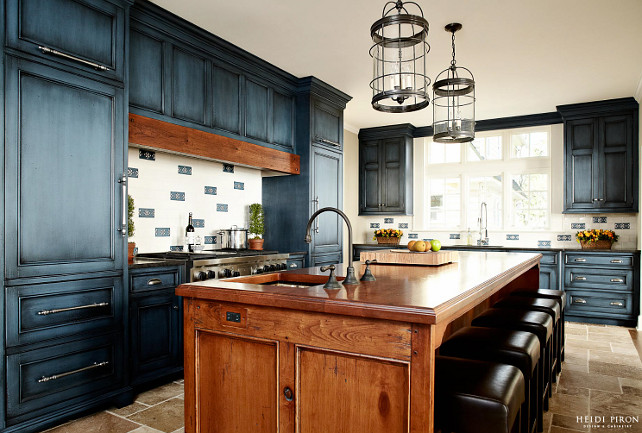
(509, 170)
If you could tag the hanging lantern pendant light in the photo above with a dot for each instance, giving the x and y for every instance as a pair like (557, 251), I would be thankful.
(400, 83)
(454, 101)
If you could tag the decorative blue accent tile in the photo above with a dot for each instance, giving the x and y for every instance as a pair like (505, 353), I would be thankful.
(185, 169)
(426, 240)
(210, 240)
(455, 236)
(146, 213)
(563, 238)
(162, 232)
(403, 225)
(622, 226)
(599, 220)
(228, 168)
(374, 225)
(239, 185)
(543, 243)
(413, 236)
(388, 220)
(198, 223)
(512, 237)
(132, 172)
(578, 226)
(176, 248)
(211, 190)
(149, 155)
(176, 195)
(221, 207)
(481, 243)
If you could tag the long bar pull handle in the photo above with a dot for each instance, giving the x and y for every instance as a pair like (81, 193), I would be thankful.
(47, 50)
(616, 261)
(123, 186)
(69, 373)
(326, 141)
(579, 301)
(617, 304)
(316, 208)
(154, 282)
(579, 278)
(617, 280)
(580, 260)
(79, 307)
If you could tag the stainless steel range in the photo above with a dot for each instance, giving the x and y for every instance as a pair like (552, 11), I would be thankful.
(215, 264)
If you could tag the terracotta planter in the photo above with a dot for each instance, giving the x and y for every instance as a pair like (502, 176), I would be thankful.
(598, 245)
(131, 246)
(388, 241)
(255, 244)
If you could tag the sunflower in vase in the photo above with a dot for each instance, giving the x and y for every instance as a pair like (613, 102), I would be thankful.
(596, 238)
(388, 236)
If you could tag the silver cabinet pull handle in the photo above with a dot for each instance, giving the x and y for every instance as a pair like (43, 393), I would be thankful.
(580, 260)
(293, 265)
(47, 50)
(579, 279)
(154, 282)
(79, 307)
(617, 280)
(175, 307)
(579, 301)
(326, 141)
(617, 304)
(123, 186)
(69, 373)
(316, 208)
(616, 261)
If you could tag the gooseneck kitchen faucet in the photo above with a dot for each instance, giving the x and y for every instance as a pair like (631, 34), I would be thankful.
(350, 277)
(483, 224)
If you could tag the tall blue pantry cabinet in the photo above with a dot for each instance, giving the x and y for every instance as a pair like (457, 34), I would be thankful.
(65, 117)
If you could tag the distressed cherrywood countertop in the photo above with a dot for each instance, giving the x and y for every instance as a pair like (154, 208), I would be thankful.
(417, 294)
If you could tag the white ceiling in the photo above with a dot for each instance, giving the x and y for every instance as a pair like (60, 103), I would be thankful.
(527, 55)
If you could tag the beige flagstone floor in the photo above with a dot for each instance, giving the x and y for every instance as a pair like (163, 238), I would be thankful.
(601, 378)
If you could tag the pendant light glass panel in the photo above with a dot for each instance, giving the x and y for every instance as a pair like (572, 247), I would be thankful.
(399, 83)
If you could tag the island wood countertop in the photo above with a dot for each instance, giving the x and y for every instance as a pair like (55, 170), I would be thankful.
(416, 294)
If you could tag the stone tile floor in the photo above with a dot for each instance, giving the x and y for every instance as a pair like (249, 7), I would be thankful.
(601, 378)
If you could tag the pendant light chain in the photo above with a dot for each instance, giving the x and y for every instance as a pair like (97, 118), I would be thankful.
(453, 62)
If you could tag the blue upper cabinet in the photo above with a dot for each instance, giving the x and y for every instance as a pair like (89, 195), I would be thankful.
(181, 74)
(86, 34)
(327, 125)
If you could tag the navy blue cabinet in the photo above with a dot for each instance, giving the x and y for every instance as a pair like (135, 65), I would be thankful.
(601, 162)
(226, 100)
(190, 75)
(84, 34)
(385, 170)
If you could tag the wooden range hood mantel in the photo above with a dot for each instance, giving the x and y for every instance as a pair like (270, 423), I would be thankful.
(157, 134)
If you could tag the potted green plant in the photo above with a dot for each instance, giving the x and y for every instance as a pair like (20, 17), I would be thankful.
(257, 226)
(130, 227)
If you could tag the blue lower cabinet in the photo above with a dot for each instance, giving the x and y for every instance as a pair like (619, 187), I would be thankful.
(69, 376)
(296, 261)
(325, 259)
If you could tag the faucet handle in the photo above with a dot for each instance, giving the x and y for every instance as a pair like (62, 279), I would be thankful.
(331, 268)
(367, 274)
(332, 282)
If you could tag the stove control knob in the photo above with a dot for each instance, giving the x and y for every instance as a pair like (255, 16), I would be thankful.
(259, 270)
(236, 274)
(211, 274)
(272, 268)
(266, 268)
(201, 276)
(227, 273)
(282, 266)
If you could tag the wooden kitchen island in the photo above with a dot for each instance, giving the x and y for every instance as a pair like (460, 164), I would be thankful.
(268, 358)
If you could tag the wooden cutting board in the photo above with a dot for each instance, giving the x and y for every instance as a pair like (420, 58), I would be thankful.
(407, 257)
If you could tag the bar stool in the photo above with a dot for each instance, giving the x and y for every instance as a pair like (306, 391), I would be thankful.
(535, 322)
(548, 306)
(517, 348)
(477, 396)
(560, 297)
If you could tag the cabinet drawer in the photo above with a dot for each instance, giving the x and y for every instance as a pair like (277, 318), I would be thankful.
(295, 264)
(610, 260)
(85, 34)
(153, 279)
(42, 311)
(580, 302)
(48, 378)
(325, 259)
(595, 278)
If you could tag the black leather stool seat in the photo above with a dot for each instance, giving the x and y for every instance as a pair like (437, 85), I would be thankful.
(558, 295)
(536, 322)
(538, 304)
(477, 396)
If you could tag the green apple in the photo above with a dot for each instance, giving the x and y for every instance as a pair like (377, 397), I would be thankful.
(435, 245)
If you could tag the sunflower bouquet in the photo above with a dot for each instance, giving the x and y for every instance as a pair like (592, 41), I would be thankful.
(387, 236)
(596, 238)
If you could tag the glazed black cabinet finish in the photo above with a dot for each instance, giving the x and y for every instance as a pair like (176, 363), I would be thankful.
(385, 173)
(601, 168)
(184, 75)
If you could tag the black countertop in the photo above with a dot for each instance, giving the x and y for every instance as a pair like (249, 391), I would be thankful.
(143, 262)
(505, 248)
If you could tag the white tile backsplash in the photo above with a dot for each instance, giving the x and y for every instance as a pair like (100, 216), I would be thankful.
(158, 178)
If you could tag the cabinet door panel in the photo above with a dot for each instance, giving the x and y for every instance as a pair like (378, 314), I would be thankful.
(69, 129)
(327, 175)
(226, 100)
(146, 71)
(325, 377)
(581, 165)
(549, 277)
(393, 173)
(369, 176)
(616, 163)
(189, 87)
(227, 400)
(327, 124)
(256, 110)
(283, 120)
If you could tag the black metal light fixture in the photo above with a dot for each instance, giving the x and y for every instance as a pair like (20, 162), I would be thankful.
(453, 104)
(399, 83)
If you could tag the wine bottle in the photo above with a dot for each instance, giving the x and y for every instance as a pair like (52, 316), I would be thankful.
(189, 235)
